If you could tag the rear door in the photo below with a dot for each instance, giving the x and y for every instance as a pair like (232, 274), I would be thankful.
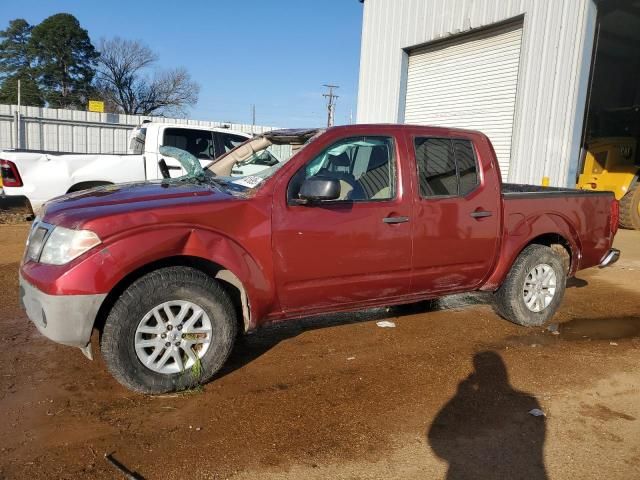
(349, 251)
(456, 219)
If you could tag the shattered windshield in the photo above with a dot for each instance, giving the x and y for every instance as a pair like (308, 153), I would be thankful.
(248, 165)
(188, 161)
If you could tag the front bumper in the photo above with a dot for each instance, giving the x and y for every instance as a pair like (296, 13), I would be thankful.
(610, 258)
(66, 319)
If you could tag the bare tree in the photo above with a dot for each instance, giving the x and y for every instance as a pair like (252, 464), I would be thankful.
(124, 82)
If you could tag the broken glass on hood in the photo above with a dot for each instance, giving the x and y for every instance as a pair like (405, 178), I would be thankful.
(189, 162)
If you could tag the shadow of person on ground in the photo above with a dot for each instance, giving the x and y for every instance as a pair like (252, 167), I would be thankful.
(486, 431)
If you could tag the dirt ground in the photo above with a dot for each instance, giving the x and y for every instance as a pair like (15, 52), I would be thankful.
(449, 389)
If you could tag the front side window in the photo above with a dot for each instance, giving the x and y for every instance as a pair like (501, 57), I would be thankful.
(445, 167)
(364, 166)
(198, 143)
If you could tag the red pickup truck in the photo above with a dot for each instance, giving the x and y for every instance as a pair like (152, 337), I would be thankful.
(169, 272)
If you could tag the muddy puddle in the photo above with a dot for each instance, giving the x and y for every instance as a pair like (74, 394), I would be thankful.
(610, 329)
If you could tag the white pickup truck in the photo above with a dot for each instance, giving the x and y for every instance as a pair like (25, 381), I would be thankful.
(34, 177)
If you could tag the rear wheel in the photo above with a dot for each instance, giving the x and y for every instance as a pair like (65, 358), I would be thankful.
(630, 208)
(534, 287)
(170, 330)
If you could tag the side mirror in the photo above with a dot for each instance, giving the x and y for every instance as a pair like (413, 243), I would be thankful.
(164, 169)
(319, 188)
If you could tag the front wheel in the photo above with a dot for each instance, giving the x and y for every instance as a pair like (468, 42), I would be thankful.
(534, 287)
(170, 330)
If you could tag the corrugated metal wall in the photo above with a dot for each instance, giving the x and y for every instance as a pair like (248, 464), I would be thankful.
(552, 80)
(483, 95)
(83, 132)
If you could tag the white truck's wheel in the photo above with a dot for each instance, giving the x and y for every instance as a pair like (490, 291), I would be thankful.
(172, 329)
(534, 287)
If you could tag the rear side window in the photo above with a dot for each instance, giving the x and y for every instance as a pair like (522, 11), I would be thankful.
(198, 143)
(466, 161)
(445, 167)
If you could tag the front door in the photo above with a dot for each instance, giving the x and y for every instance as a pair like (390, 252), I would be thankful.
(353, 250)
(457, 216)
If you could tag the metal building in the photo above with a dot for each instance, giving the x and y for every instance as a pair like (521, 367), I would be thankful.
(518, 70)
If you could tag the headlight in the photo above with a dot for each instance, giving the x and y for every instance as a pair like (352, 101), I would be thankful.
(64, 244)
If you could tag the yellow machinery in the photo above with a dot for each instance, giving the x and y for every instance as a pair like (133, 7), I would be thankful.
(612, 164)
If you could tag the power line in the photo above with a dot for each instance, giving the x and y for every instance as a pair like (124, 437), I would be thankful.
(331, 103)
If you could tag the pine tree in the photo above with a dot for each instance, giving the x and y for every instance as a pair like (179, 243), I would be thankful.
(16, 63)
(65, 60)
(30, 93)
(15, 57)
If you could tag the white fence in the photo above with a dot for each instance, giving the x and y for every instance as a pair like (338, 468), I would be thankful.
(78, 131)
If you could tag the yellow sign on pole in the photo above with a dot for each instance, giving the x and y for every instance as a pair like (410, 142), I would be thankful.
(96, 106)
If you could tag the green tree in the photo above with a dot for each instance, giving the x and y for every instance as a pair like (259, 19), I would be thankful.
(16, 63)
(65, 60)
(30, 93)
(15, 57)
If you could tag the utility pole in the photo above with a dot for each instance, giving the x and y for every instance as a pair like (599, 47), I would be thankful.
(18, 119)
(331, 104)
(253, 119)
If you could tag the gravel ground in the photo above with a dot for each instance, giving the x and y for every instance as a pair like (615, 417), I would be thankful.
(8, 217)
(449, 389)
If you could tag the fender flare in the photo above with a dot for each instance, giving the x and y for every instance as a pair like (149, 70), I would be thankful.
(118, 264)
(521, 236)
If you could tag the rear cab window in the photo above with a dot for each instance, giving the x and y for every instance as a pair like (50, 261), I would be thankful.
(446, 167)
(137, 141)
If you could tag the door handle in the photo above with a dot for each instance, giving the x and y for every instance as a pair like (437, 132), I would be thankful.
(480, 214)
(394, 220)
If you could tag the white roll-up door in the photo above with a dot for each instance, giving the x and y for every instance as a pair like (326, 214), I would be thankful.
(468, 84)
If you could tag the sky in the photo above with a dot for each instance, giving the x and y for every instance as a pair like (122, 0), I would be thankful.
(275, 54)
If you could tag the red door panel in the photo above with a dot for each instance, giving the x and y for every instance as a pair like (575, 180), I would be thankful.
(346, 252)
(341, 254)
(455, 238)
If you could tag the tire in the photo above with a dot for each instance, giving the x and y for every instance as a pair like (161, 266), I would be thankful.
(172, 288)
(509, 300)
(630, 208)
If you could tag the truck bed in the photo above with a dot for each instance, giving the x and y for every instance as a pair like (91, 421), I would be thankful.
(520, 190)
(581, 216)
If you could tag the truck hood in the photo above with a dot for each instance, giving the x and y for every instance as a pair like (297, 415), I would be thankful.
(131, 203)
